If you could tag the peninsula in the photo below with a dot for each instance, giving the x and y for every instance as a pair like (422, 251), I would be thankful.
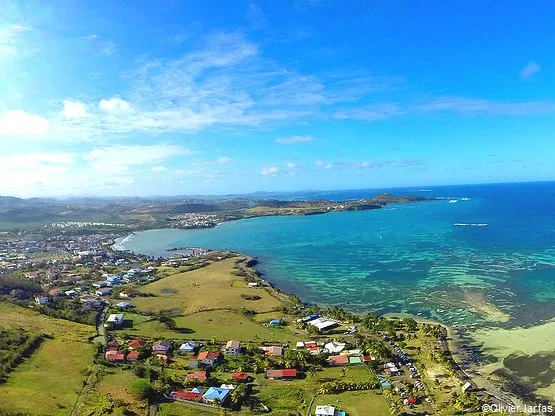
(133, 214)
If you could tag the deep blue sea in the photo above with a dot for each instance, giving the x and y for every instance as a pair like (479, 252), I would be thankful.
(406, 257)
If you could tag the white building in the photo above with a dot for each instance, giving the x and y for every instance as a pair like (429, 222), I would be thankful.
(115, 320)
(334, 347)
(326, 410)
(323, 323)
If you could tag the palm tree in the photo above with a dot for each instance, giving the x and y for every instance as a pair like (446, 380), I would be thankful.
(376, 348)
(396, 408)
(388, 394)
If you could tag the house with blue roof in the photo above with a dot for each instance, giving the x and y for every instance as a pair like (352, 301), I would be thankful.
(216, 396)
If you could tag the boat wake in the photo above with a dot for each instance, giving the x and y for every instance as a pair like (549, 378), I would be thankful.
(458, 224)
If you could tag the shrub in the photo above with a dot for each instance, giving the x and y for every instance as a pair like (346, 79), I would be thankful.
(141, 389)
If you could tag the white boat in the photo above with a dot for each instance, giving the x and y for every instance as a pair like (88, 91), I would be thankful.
(453, 201)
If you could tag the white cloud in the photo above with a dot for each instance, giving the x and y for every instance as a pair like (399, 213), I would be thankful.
(269, 170)
(295, 139)
(224, 159)
(74, 110)
(20, 123)
(122, 158)
(114, 105)
(10, 37)
(33, 174)
(530, 69)
(342, 165)
(158, 169)
(291, 165)
(226, 82)
(322, 164)
(34, 160)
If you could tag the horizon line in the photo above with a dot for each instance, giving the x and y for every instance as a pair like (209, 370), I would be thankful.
(68, 197)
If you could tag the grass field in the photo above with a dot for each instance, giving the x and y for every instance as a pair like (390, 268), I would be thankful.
(116, 384)
(284, 398)
(220, 325)
(210, 287)
(17, 317)
(356, 403)
(48, 383)
(181, 409)
(209, 305)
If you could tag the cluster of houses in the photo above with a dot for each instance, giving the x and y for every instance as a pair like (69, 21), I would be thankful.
(115, 351)
(131, 276)
(194, 220)
(338, 354)
(88, 301)
(213, 396)
(90, 292)
(20, 253)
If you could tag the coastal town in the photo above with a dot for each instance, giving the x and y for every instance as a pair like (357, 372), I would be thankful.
(203, 333)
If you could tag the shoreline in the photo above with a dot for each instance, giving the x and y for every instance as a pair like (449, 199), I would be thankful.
(450, 343)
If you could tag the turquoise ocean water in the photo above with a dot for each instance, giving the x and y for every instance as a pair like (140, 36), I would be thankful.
(405, 257)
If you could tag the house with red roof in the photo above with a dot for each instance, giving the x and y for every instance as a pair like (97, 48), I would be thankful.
(205, 359)
(285, 374)
(185, 395)
(338, 360)
(198, 375)
(133, 356)
(55, 293)
(115, 356)
(136, 344)
(113, 343)
(241, 377)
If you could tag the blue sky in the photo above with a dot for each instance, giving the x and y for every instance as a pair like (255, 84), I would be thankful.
(184, 97)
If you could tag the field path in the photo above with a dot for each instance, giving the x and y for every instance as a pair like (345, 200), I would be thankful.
(101, 330)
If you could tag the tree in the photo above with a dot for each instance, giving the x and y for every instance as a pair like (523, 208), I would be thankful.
(239, 393)
(376, 348)
(396, 408)
(141, 389)
(410, 324)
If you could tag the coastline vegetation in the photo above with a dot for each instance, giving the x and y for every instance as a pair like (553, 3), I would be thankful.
(209, 305)
(210, 301)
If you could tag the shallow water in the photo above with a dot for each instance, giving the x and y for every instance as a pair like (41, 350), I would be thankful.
(406, 257)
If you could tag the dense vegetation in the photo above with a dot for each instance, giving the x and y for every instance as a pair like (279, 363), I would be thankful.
(17, 286)
(15, 345)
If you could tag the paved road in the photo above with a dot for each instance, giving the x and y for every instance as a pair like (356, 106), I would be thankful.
(100, 329)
